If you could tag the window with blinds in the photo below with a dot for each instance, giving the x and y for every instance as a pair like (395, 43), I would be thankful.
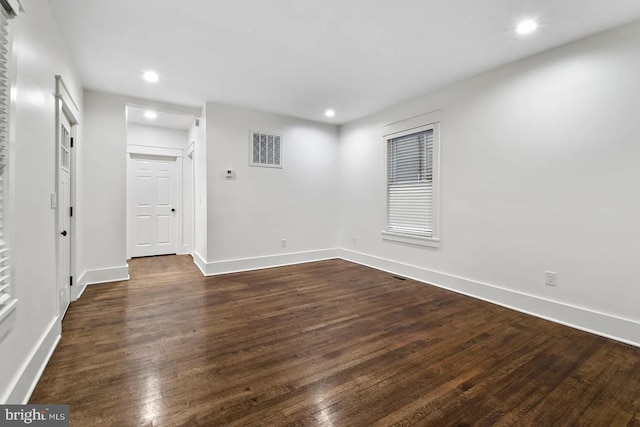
(5, 282)
(412, 183)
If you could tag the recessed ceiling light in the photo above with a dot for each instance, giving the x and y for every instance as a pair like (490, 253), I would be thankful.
(527, 26)
(151, 115)
(151, 76)
(330, 113)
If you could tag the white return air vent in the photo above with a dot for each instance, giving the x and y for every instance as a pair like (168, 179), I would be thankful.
(265, 150)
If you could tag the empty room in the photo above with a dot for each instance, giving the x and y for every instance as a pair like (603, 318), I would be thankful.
(337, 213)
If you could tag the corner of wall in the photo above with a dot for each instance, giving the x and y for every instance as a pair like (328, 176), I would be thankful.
(100, 276)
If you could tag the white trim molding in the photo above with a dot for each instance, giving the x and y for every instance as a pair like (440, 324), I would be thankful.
(99, 276)
(603, 324)
(147, 150)
(411, 239)
(64, 95)
(200, 262)
(412, 123)
(25, 380)
(246, 264)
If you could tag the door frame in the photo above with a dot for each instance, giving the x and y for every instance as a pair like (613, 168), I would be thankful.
(164, 152)
(190, 153)
(65, 105)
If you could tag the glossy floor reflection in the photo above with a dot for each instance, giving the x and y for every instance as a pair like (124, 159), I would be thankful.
(329, 343)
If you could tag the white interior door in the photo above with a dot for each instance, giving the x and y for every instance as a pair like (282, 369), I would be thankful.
(64, 214)
(152, 205)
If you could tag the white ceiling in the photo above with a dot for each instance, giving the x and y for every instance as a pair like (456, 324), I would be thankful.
(166, 119)
(299, 57)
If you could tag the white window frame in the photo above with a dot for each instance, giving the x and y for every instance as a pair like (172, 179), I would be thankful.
(265, 165)
(7, 305)
(409, 238)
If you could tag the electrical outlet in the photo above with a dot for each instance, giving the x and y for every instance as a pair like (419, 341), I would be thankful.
(550, 278)
(355, 240)
(284, 243)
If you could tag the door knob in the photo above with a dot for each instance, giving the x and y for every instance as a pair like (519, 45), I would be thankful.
(64, 232)
(173, 210)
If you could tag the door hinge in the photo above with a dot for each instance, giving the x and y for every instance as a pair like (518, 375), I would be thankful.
(71, 142)
(70, 280)
(70, 210)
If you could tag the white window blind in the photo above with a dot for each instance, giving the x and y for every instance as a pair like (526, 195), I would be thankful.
(5, 291)
(266, 150)
(410, 184)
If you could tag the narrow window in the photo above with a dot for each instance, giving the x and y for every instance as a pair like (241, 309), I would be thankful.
(412, 187)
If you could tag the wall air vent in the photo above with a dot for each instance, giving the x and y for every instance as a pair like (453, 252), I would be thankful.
(265, 150)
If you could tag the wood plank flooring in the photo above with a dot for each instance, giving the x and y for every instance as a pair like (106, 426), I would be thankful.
(328, 343)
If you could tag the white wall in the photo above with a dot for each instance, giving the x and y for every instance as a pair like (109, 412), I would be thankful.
(250, 215)
(154, 136)
(38, 55)
(539, 172)
(103, 200)
(197, 137)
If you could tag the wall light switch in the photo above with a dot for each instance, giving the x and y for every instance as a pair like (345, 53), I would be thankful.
(229, 174)
(54, 201)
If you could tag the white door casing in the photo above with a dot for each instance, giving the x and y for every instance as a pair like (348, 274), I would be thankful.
(188, 194)
(64, 212)
(66, 130)
(152, 205)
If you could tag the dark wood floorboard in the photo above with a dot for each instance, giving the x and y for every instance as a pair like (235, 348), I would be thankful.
(328, 343)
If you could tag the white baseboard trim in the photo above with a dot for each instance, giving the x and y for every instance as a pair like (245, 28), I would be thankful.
(269, 261)
(31, 370)
(606, 325)
(78, 288)
(199, 262)
(100, 275)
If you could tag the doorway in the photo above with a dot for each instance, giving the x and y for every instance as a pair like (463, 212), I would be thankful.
(64, 212)
(63, 198)
(152, 189)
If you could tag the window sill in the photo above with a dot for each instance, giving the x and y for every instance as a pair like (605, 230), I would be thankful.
(411, 239)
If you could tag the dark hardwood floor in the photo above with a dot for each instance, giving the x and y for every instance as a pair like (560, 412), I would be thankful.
(328, 343)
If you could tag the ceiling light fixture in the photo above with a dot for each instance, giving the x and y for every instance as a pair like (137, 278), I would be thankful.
(151, 76)
(330, 113)
(527, 26)
(151, 115)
